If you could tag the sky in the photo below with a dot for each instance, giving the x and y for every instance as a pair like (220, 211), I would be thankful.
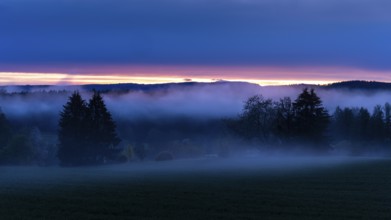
(153, 41)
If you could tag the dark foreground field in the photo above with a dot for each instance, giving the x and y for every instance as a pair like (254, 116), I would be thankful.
(354, 189)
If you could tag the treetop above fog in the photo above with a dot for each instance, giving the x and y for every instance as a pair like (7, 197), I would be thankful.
(87, 132)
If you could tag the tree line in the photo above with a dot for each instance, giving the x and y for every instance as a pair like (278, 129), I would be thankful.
(361, 130)
(87, 133)
(25, 146)
(305, 123)
(284, 122)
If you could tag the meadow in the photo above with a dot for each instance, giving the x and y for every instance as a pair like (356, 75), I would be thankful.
(255, 188)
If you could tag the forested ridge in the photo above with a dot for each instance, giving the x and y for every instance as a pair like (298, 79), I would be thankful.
(86, 132)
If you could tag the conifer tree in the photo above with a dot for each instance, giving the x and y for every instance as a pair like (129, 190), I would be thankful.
(363, 125)
(344, 123)
(102, 136)
(72, 132)
(87, 133)
(377, 124)
(284, 123)
(311, 118)
(5, 131)
(387, 119)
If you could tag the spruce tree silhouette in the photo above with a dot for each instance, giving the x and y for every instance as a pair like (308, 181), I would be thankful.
(5, 131)
(102, 136)
(72, 133)
(87, 133)
(311, 118)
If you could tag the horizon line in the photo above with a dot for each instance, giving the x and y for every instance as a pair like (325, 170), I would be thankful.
(64, 79)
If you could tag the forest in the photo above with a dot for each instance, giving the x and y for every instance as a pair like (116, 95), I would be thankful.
(82, 132)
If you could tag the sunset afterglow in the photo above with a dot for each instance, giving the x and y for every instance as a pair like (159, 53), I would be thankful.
(152, 74)
(265, 42)
(7, 78)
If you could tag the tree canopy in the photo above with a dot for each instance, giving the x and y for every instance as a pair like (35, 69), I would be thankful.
(303, 121)
(87, 133)
(311, 118)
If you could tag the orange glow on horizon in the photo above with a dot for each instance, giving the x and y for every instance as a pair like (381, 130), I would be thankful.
(14, 78)
(152, 75)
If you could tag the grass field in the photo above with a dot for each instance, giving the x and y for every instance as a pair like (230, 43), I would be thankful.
(356, 189)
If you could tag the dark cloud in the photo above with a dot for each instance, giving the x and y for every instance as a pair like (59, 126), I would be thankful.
(215, 32)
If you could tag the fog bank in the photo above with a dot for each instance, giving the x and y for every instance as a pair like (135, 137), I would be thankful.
(172, 170)
(207, 101)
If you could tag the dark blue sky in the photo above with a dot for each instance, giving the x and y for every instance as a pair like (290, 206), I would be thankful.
(347, 33)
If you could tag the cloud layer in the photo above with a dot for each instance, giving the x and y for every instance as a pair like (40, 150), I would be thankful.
(187, 32)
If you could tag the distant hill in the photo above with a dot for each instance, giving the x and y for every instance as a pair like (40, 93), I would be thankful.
(121, 87)
(348, 85)
(361, 85)
(158, 87)
(126, 87)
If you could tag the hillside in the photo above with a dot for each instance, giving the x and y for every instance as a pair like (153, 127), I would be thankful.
(126, 87)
